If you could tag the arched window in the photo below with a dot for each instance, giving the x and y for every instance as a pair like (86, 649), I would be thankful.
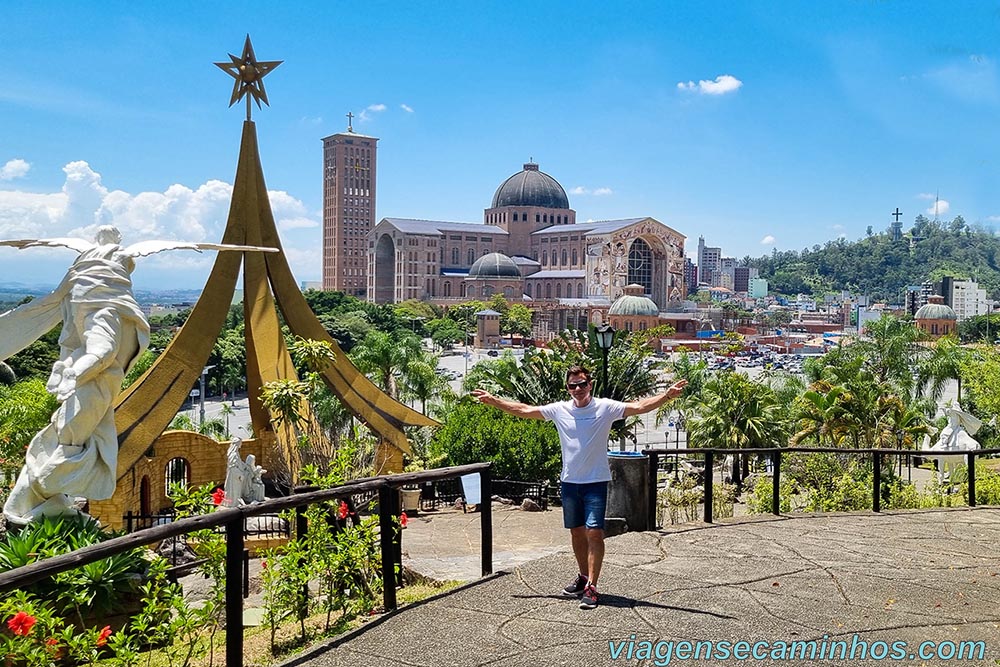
(508, 292)
(470, 256)
(454, 256)
(576, 257)
(178, 471)
(569, 290)
(545, 257)
(558, 290)
(565, 257)
(548, 290)
(527, 289)
(579, 290)
(447, 288)
(640, 265)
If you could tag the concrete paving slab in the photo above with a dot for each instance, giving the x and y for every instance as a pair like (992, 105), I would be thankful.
(834, 583)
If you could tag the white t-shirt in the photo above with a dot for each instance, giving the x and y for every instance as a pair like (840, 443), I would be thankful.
(583, 434)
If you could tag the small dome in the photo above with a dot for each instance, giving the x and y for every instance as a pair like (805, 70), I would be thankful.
(631, 304)
(935, 311)
(494, 265)
(531, 187)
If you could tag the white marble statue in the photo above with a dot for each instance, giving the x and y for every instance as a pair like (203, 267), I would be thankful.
(244, 483)
(103, 333)
(955, 437)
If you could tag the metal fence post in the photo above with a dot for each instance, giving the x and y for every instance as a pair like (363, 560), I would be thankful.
(776, 482)
(876, 482)
(387, 526)
(654, 467)
(709, 482)
(234, 592)
(486, 519)
(972, 478)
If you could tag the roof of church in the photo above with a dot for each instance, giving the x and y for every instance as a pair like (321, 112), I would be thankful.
(412, 226)
(597, 227)
(557, 273)
(531, 187)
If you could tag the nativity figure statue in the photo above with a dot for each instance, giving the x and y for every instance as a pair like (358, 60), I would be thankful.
(103, 333)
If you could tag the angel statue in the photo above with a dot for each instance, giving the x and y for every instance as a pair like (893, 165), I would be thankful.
(103, 333)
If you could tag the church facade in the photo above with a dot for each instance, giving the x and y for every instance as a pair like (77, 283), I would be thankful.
(529, 248)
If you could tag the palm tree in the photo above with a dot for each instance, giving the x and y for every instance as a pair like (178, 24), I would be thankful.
(943, 363)
(384, 357)
(736, 412)
(421, 381)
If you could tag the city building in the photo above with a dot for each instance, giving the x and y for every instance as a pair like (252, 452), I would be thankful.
(709, 260)
(348, 209)
(529, 247)
(757, 287)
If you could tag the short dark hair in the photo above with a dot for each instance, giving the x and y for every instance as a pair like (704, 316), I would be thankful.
(578, 370)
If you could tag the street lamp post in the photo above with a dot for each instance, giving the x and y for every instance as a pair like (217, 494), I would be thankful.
(204, 372)
(605, 339)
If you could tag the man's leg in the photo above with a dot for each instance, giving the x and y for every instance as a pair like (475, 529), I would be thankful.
(595, 553)
(581, 547)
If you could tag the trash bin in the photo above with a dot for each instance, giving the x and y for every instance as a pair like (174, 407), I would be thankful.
(628, 492)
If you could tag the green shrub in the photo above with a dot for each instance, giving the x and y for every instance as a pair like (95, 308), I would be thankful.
(760, 500)
(520, 449)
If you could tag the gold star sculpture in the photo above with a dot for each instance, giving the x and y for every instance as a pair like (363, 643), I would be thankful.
(249, 74)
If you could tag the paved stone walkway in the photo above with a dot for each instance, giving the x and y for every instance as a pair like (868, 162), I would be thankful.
(894, 577)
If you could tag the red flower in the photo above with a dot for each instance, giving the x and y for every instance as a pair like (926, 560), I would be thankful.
(102, 638)
(343, 511)
(21, 623)
(402, 519)
(218, 496)
(263, 564)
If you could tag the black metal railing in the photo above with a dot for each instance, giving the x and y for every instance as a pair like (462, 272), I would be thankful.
(261, 526)
(776, 453)
(446, 492)
(232, 522)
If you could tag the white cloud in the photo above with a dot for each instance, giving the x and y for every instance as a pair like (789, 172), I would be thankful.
(366, 114)
(722, 84)
(596, 192)
(406, 107)
(179, 212)
(15, 168)
(311, 121)
(942, 205)
(767, 240)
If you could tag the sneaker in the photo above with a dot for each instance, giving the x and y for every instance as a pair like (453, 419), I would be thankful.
(589, 598)
(575, 588)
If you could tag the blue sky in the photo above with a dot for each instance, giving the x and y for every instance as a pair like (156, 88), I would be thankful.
(758, 125)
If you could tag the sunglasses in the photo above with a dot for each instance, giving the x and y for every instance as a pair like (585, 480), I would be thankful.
(577, 385)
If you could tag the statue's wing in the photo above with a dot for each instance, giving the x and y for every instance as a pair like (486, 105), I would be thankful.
(143, 248)
(73, 243)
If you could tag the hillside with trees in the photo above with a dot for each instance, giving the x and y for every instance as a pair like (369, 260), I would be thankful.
(881, 267)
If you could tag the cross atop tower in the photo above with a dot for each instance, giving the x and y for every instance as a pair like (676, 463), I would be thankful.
(896, 214)
(350, 117)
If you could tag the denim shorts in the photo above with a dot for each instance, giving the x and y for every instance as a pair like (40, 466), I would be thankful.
(584, 504)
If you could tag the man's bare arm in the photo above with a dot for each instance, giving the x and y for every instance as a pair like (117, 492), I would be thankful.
(648, 403)
(510, 407)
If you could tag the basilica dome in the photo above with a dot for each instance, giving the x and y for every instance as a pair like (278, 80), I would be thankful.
(935, 311)
(634, 303)
(494, 265)
(531, 187)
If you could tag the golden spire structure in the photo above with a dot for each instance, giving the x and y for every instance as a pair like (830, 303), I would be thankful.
(145, 409)
(249, 74)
